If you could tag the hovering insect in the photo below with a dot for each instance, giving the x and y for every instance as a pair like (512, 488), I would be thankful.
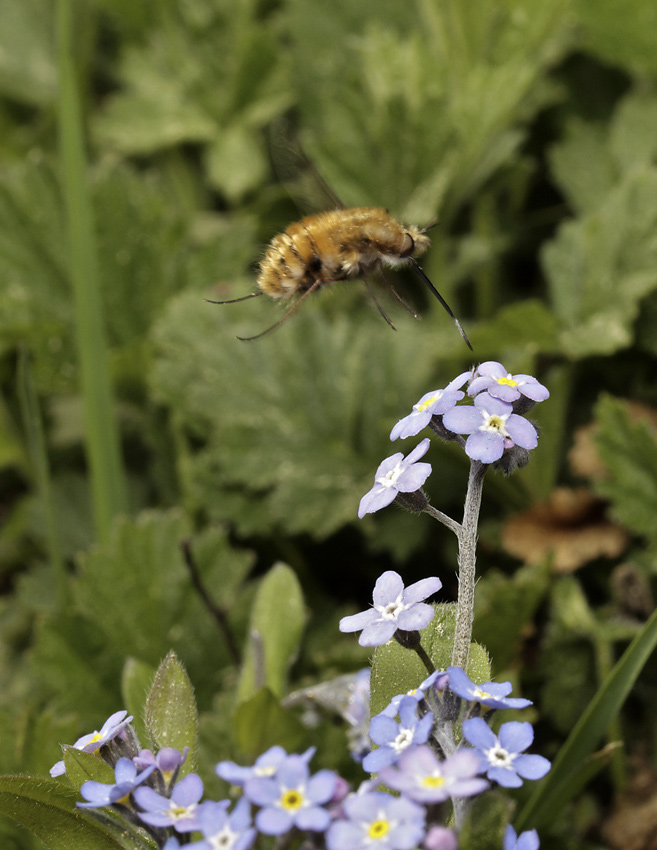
(339, 244)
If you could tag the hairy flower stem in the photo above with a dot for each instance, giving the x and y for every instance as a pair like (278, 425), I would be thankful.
(467, 537)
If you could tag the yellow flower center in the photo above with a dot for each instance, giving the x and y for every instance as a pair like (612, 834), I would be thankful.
(479, 694)
(427, 403)
(291, 800)
(433, 781)
(378, 829)
(508, 382)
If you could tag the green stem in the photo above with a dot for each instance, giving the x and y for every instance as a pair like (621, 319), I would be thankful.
(102, 438)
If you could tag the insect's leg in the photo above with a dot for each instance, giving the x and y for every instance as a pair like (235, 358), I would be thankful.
(292, 309)
(406, 306)
(235, 300)
(418, 271)
(376, 301)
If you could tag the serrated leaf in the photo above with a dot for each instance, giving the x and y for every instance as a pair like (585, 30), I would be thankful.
(171, 716)
(260, 723)
(628, 449)
(295, 437)
(47, 809)
(275, 628)
(601, 265)
(396, 670)
(81, 766)
(523, 329)
(27, 62)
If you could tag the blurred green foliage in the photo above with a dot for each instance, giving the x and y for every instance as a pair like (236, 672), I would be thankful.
(528, 130)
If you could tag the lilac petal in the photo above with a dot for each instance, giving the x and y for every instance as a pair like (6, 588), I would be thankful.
(504, 392)
(458, 382)
(313, 818)
(388, 464)
(293, 772)
(321, 786)
(522, 431)
(377, 633)
(486, 446)
(413, 478)
(478, 733)
(420, 590)
(58, 769)
(388, 587)
(261, 791)
(504, 776)
(463, 420)
(493, 368)
(408, 716)
(356, 622)
(379, 759)
(464, 764)
(460, 683)
(411, 425)
(125, 770)
(416, 617)
(377, 498)
(151, 800)
(531, 766)
(492, 405)
(419, 451)
(531, 388)
(273, 821)
(383, 729)
(189, 790)
(480, 385)
(516, 736)
(528, 840)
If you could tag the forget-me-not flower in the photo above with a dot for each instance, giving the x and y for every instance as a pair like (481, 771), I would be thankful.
(396, 474)
(502, 756)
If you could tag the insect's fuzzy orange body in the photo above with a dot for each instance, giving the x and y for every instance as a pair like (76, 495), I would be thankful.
(336, 245)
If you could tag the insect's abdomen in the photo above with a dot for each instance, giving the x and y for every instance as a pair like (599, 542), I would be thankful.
(333, 246)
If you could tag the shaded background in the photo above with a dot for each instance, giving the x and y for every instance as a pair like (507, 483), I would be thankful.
(528, 129)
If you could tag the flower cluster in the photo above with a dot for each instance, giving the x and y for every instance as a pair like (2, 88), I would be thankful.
(496, 429)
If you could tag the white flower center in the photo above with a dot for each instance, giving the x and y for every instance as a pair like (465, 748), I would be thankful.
(223, 840)
(390, 478)
(499, 757)
(181, 812)
(495, 422)
(392, 610)
(403, 739)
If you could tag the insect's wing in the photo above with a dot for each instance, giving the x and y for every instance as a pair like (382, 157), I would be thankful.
(297, 172)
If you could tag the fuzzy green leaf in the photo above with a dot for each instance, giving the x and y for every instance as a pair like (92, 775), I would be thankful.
(81, 766)
(170, 715)
(396, 670)
(136, 682)
(47, 809)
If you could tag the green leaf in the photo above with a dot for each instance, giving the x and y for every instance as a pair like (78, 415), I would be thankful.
(275, 628)
(485, 824)
(170, 715)
(297, 438)
(396, 670)
(601, 265)
(47, 809)
(27, 62)
(558, 788)
(620, 33)
(628, 449)
(260, 723)
(236, 162)
(504, 606)
(81, 766)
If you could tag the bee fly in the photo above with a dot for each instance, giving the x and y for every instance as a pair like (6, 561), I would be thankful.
(340, 244)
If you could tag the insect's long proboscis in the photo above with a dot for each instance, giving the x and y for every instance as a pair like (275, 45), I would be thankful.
(420, 273)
